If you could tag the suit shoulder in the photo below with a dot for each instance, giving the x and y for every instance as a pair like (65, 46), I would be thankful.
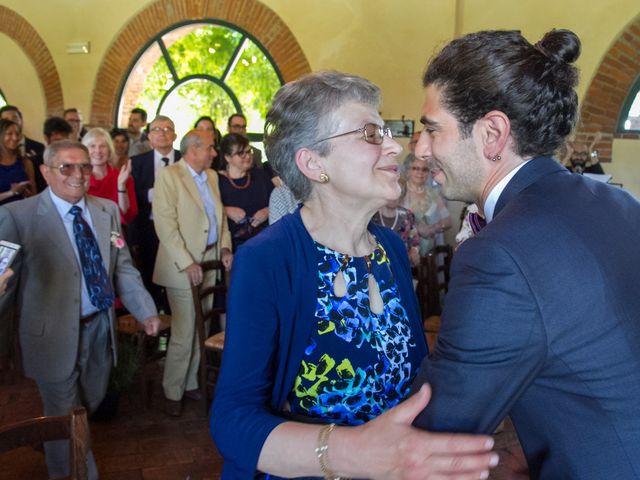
(104, 203)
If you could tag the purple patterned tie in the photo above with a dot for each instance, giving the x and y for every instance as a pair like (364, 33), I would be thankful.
(477, 222)
(95, 275)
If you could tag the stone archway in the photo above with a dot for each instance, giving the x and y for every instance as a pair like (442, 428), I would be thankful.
(608, 90)
(254, 17)
(21, 31)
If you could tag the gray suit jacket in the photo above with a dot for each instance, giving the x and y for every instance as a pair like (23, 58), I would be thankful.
(47, 286)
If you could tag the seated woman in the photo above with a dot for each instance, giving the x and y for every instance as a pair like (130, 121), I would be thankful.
(17, 176)
(106, 181)
(323, 329)
(401, 221)
(426, 203)
(244, 190)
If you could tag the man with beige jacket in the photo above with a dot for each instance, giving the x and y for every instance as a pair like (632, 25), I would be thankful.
(192, 228)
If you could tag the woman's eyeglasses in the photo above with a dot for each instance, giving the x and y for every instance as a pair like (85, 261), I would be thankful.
(371, 133)
(420, 169)
(244, 153)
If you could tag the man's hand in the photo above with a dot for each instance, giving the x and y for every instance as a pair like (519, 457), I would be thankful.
(226, 257)
(151, 326)
(4, 278)
(194, 271)
(391, 448)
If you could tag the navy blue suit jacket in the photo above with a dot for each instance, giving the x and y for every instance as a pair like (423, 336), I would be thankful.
(143, 173)
(542, 323)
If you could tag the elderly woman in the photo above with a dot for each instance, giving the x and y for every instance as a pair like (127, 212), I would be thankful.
(244, 189)
(323, 332)
(426, 203)
(106, 181)
(17, 176)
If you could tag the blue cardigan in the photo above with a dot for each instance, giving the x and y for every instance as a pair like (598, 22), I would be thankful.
(271, 311)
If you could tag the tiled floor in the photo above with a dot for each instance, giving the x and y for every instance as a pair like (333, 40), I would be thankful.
(144, 445)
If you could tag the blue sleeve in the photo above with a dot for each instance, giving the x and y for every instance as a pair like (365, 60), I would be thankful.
(490, 346)
(241, 416)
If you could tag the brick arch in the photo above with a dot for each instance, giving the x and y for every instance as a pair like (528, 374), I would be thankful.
(251, 15)
(20, 30)
(608, 90)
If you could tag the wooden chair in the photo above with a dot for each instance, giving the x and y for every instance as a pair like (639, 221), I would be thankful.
(150, 349)
(209, 311)
(33, 432)
(433, 283)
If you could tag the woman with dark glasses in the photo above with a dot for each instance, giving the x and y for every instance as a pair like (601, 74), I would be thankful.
(323, 332)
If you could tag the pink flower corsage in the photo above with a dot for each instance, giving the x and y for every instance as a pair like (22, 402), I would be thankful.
(117, 240)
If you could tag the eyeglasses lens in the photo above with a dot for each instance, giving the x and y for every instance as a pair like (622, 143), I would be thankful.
(375, 134)
(67, 169)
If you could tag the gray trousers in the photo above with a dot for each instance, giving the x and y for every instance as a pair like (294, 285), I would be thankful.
(86, 386)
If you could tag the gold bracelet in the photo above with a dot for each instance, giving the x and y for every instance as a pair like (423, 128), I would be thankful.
(322, 452)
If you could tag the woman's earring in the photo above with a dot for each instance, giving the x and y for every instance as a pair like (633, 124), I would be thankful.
(324, 178)
(497, 158)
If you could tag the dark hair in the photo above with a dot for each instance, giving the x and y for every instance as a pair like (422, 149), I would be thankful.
(119, 132)
(70, 110)
(239, 115)
(142, 112)
(231, 140)
(534, 85)
(205, 117)
(56, 125)
(4, 126)
(10, 108)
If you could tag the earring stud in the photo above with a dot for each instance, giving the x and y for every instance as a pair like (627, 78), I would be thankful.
(324, 178)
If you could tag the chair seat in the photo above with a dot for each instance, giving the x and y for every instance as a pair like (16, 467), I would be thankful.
(215, 342)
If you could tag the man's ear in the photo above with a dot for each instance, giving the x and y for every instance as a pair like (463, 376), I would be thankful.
(45, 171)
(309, 164)
(495, 129)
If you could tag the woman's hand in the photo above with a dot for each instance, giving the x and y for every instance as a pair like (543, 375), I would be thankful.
(235, 213)
(260, 217)
(4, 279)
(21, 188)
(389, 447)
(226, 257)
(125, 171)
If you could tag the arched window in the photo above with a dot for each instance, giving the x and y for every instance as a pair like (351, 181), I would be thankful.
(630, 115)
(3, 101)
(202, 68)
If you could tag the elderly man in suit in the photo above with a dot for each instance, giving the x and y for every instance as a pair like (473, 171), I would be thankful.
(190, 222)
(542, 317)
(72, 262)
(144, 169)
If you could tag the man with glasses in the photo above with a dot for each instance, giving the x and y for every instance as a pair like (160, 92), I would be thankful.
(74, 118)
(71, 265)
(144, 169)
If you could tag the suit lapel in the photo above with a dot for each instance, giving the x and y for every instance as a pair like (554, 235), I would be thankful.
(527, 175)
(212, 181)
(190, 184)
(50, 223)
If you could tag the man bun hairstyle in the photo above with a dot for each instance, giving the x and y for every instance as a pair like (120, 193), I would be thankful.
(534, 85)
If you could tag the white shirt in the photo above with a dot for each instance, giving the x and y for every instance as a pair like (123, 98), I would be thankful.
(63, 207)
(494, 194)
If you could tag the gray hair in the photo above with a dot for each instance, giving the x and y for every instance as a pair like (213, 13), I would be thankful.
(96, 133)
(191, 139)
(162, 118)
(53, 149)
(302, 112)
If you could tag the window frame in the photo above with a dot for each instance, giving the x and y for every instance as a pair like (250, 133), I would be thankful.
(626, 106)
(178, 81)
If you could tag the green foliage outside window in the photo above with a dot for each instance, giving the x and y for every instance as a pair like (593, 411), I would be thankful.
(193, 63)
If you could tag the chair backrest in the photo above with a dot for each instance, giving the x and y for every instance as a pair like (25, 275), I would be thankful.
(433, 279)
(208, 310)
(35, 431)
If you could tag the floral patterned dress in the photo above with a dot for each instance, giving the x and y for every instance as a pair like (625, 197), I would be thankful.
(357, 363)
